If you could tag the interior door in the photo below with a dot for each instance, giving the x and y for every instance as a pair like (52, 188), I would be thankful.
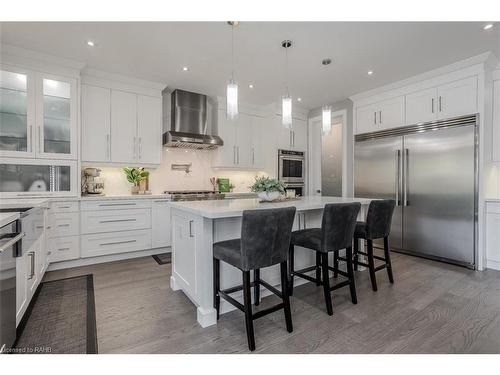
(439, 197)
(377, 174)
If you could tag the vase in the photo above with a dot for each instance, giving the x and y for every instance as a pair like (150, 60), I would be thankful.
(268, 196)
(134, 189)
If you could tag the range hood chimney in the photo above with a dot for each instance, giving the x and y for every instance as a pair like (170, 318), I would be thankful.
(188, 123)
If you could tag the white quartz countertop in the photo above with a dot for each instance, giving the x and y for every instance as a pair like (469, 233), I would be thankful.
(8, 217)
(13, 203)
(136, 196)
(234, 207)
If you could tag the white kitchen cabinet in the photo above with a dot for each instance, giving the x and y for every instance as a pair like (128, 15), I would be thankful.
(99, 244)
(149, 137)
(366, 119)
(457, 98)
(96, 124)
(493, 235)
(391, 112)
(259, 131)
(241, 141)
(62, 224)
(421, 106)
(21, 286)
(63, 248)
(115, 220)
(294, 138)
(123, 127)
(38, 113)
(496, 122)
(161, 230)
(184, 261)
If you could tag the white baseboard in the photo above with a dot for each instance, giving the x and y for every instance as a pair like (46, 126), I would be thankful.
(493, 264)
(106, 258)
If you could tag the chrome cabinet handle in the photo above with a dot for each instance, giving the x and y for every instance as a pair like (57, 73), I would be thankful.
(64, 207)
(116, 204)
(253, 156)
(62, 249)
(63, 225)
(32, 265)
(116, 243)
(40, 140)
(116, 220)
(440, 104)
(380, 117)
(300, 221)
(405, 178)
(432, 105)
(398, 176)
(108, 146)
(30, 135)
(191, 228)
(140, 148)
(375, 118)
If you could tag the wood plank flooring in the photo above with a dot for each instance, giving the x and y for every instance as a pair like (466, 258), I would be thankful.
(431, 308)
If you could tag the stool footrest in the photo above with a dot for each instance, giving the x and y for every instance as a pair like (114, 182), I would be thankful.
(300, 273)
(381, 267)
(271, 288)
(231, 300)
(260, 314)
(345, 274)
(236, 288)
(340, 285)
(361, 264)
(379, 258)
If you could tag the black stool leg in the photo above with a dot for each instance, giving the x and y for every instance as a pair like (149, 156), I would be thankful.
(291, 262)
(286, 299)
(335, 264)
(318, 268)
(356, 249)
(256, 286)
(326, 283)
(387, 257)
(350, 272)
(216, 276)
(247, 302)
(371, 264)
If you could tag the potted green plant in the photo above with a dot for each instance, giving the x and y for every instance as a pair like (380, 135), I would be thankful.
(268, 189)
(135, 176)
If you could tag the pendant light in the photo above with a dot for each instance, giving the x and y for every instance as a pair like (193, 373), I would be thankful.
(286, 100)
(326, 117)
(232, 86)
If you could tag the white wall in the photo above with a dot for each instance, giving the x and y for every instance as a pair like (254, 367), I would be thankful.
(163, 178)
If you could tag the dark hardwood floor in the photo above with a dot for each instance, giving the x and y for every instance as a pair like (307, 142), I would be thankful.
(431, 308)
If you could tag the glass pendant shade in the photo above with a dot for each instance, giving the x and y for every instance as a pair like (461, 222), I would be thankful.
(327, 120)
(286, 111)
(232, 100)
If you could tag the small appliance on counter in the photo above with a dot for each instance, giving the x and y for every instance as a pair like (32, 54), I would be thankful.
(92, 182)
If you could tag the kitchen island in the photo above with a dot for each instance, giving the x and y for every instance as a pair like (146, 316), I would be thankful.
(197, 225)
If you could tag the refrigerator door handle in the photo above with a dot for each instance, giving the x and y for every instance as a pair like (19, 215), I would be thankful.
(405, 177)
(398, 176)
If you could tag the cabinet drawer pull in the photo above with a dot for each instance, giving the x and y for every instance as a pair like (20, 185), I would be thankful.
(64, 207)
(162, 201)
(63, 225)
(116, 220)
(116, 243)
(116, 204)
(191, 228)
(63, 249)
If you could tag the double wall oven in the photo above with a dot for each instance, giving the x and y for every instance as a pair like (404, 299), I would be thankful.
(291, 170)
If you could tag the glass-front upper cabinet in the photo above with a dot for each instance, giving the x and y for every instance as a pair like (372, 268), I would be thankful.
(17, 111)
(56, 117)
(38, 115)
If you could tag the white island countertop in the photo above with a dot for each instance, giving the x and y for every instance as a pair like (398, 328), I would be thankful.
(216, 209)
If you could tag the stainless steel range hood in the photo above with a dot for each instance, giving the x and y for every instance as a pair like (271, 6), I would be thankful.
(188, 122)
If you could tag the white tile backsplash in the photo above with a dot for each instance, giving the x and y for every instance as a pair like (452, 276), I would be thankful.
(163, 178)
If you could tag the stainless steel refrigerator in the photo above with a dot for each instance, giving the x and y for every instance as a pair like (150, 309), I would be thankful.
(431, 171)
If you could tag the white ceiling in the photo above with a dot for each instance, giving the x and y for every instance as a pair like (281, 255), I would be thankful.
(156, 51)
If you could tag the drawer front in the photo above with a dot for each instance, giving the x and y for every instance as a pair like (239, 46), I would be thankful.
(63, 224)
(113, 243)
(64, 248)
(64, 206)
(115, 204)
(115, 220)
(493, 207)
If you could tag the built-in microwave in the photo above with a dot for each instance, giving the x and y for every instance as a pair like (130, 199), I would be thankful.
(37, 178)
(291, 166)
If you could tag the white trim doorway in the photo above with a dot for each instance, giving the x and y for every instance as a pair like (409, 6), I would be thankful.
(314, 153)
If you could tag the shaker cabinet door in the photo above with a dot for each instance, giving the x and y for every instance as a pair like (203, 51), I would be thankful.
(123, 127)
(421, 106)
(149, 129)
(96, 124)
(457, 98)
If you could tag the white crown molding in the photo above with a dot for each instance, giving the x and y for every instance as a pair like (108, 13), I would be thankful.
(486, 59)
(39, 61)
(91, 74)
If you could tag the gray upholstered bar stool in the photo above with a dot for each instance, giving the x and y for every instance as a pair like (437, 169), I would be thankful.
(265, 237)
(336, 233)
(377, 225)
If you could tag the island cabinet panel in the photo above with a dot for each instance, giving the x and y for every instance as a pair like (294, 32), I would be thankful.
(63, 248)
(184, 260)
(493, 235)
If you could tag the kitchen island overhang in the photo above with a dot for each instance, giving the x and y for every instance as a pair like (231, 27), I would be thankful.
(196, 225)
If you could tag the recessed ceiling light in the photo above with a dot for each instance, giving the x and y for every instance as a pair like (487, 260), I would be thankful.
(326, 61)
(250, 86)
(299, 99)
(90, 43)
(185, 68)
(488, 26)
(370, 72)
